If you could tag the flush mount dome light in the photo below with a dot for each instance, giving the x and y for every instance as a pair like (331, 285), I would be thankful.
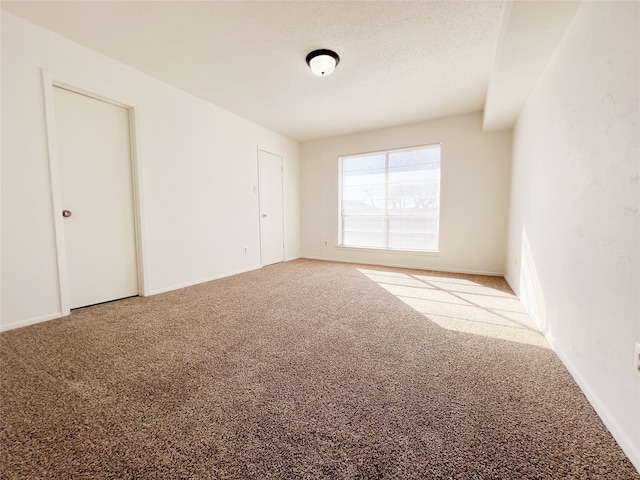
(323, 62)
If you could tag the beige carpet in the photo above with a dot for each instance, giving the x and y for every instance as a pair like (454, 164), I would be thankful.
(305, 369)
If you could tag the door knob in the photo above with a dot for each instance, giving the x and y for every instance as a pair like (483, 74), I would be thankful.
(66, 213)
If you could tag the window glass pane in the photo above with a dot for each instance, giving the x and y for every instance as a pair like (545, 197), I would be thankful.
(413, 225)
(363, 224)
(416, 159)
(363, 185)
(414, 181)
(363, 231)
(363, 200)
(413, 198)
(413, 233)
(405, 241)
(363, 163)
(364, 239)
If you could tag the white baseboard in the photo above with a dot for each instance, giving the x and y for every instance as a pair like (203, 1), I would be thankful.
(618, 434)
(31, 321)
(387, 264)
(511, 285)
(203, 280)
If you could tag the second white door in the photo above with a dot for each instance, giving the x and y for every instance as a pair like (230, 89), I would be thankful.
(97, 195)
(271, 208)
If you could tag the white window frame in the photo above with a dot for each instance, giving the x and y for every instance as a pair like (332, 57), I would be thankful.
(386, 215)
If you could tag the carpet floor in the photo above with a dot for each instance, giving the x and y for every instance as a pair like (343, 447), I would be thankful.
(301, 370)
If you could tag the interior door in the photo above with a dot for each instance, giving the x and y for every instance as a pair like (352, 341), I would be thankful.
(271, 208)
(97, 195)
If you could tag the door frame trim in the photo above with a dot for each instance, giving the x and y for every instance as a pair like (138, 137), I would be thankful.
(48, 83)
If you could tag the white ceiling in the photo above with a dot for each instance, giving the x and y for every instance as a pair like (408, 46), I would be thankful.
(529, 35)
(400, 62)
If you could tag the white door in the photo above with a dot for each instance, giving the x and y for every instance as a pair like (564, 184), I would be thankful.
(271, 208)
(97, 198)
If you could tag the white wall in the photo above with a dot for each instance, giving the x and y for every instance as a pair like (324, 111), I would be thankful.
(198, 163)
(474, 194)
(573, 252)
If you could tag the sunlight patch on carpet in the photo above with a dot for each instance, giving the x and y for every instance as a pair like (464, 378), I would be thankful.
(462, 305)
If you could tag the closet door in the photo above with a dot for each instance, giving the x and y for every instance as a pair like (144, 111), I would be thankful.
(97, 196)
(271, 208)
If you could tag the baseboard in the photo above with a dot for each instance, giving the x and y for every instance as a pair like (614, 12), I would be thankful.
(387, 264)
(30, 321)
(511, 285)
(53, 316)
(618, 434)
(203, 280)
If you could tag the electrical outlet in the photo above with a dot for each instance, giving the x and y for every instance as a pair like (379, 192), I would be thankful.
(637, 359)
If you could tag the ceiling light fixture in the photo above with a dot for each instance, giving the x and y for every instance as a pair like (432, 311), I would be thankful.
(323, 62)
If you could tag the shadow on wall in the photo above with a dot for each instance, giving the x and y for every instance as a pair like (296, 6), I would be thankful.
(482, 307)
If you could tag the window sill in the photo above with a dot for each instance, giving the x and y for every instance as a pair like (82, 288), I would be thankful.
(426, 253)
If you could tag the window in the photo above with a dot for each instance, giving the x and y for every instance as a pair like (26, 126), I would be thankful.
(391, 200)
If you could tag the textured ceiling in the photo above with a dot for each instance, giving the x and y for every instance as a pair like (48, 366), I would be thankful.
(401, 62)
